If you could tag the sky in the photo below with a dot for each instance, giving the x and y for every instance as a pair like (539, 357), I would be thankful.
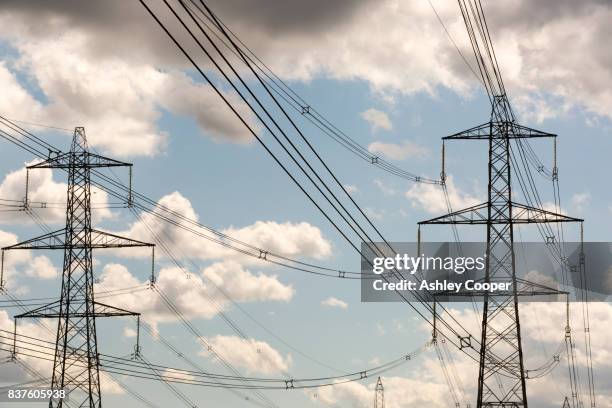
(384, 72)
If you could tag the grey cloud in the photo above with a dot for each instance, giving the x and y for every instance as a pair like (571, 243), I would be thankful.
(124, 28)
(553, 46)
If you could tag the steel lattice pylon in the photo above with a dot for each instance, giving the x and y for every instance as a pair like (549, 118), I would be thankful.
(501, 378)
(379, 398)
(76, 362)
(501, 334)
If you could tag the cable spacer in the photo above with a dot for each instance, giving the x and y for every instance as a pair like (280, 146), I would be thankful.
(465, 342)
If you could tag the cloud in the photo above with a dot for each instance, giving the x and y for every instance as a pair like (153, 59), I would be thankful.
(430, 198)
(20, 262)
(303, 42)
(118, 98)
(398, 151)
(290, 239)
(299, 239)
(377, 119)
(400, 392)
(242, 285)
(253, 355)
(351, 188)
(334, 302)
(173, 375)
(384, 188)
(195, 295)
(581, 200)
(129, 332)
(374, 213)
(41, 267)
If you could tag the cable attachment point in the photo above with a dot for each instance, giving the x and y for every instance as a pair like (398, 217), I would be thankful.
(52, 154)
(305, 110)
(289, 384)
(465, 342)
(263, 254)
(374, 159)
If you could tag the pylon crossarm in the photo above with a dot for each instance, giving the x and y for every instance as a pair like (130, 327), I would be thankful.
(477, 132)
(52, 310)
(525, 132)
(48, 310)
(524, 288)
(535, 288)
(104, 310)
(490, 130)
(524, 214)
(51, 240)
(83, 158)
(470, 215)
(101, 239)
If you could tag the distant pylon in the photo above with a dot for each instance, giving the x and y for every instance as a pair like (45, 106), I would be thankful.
(76, 362)
(379, 398)
(566, 403)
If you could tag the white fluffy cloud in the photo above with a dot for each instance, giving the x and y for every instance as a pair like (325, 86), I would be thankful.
(117, 99)
(244, 286)
(430, 198)
(580, 201)
(289, 239)
(397, 151)
(334, 302)
(253, 355)
(196, 295)
(399, 393)
(41, 267)
(18, 262)
(377, 119)
(351, 188)
(87, 53)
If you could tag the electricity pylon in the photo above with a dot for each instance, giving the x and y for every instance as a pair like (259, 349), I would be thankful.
(379, 398)
(76, 362)
(566, 403)
(501, 375)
